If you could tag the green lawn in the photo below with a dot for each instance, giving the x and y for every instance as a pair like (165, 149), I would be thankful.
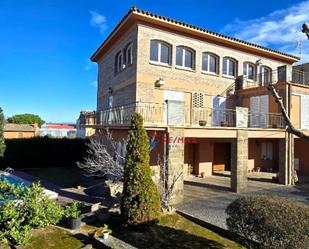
(174, 231)
(51, 238)
(62, 176)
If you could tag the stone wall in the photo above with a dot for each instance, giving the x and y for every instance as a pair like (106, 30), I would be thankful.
(239, 162)
(185, 79)
(120, 82)
(176, 164)
(286, 159)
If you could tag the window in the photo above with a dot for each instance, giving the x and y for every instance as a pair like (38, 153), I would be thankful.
(210, 63)
(160, 52)
(229, 66)
(184, 57)
(265, 76)
(249, 70)
(119, 62)
(20, 135)
(267, 151)
(129, 55)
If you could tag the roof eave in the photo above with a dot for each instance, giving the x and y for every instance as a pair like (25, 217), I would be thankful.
(140, 15)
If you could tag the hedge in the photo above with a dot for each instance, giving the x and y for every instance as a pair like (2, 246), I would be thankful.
(43, 152)
(274, 222)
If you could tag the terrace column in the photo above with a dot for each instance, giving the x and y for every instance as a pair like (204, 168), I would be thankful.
(175, 152)
(239, 162)
(286, 159)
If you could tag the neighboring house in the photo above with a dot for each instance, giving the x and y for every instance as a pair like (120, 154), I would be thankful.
(85, 123)
(206, 94)
(58, 130)
(19, 131)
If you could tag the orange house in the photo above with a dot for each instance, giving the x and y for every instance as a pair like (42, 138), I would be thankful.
(19, 131)
(204, 98)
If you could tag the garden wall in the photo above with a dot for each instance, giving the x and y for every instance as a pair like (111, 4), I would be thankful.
(43, 152)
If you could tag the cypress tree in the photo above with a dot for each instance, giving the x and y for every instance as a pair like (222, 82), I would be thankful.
(2, 144)
(140, 201)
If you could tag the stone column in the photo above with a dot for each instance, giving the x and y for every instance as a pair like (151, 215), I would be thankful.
(239, 162)
(286, 159)
(175, 153)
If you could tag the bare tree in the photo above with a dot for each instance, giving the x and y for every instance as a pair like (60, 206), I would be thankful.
(104, 157)
(290, 128)
(166, 183)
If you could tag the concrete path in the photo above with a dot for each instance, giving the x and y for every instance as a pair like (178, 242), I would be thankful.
(208, 198)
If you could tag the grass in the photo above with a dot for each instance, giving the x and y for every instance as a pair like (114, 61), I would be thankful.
(62, 176)
(51, 238)
(173, 231)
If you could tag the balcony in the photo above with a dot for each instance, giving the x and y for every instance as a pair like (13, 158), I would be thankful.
(174, 113)
(281, 75)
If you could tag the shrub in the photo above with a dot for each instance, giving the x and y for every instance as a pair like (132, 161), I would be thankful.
(72, 210)
(30, 209)
(140, 201)
(13, 225)
(43, 152)
(2, 144)
(39, 209)
(273, 222)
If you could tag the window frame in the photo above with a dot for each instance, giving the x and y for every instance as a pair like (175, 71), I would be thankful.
(159, 62)
(217, 61)
(247, 64)
(262, 75)
(119, 54)
(230, 60)
(129, 48)
(183, 66)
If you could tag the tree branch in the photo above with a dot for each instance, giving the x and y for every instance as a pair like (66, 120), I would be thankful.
(290, 128)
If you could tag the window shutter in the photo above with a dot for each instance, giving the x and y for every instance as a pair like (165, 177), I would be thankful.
(304, 112)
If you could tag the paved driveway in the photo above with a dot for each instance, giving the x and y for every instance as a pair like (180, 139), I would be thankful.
(208, 198)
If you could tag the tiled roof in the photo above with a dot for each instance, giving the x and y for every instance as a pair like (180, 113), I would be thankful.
(55, 126)
(206, 31)
(19, 127)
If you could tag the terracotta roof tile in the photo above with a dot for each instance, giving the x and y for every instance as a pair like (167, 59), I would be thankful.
(136, 10)
(19, 127)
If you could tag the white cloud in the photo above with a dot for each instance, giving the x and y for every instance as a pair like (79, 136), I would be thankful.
(98, 20)
(279, 30)
(94, 83)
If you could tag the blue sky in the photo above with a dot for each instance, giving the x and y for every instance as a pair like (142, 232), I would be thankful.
(46, 44)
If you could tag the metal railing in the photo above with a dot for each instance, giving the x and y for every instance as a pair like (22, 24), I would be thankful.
(228, 118)
(158, 114)
(300, 77)
(121, 115)
(283, 74)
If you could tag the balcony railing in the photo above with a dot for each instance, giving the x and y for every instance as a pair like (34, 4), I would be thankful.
(300, 77)
(282, 74)
(155, 114)
(152, 113)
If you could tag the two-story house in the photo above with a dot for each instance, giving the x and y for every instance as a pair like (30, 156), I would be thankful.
(203, 96)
